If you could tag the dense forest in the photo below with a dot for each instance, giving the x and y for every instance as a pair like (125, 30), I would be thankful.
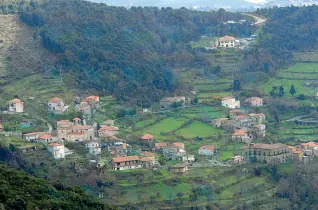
(18, 190)
(287, 29)
(128, 52)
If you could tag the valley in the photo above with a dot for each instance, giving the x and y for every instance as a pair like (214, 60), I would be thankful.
(195, 121)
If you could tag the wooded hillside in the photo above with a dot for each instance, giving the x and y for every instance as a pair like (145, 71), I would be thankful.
(18, 190)
(126, 52)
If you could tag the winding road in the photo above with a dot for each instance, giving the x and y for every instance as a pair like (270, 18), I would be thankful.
(259, 21)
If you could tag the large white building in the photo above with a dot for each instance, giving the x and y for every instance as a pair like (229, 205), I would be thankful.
(16, 105)
(56, 105)
(57, 150)
(230, 102)
(227, 42)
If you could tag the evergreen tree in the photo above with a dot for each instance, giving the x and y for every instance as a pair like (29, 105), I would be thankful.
(236, 85)
(292, 90)
(281, 91)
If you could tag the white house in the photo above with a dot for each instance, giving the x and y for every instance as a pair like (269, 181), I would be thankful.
(16, 105)
(31, 136)
(46, 138)
(255, 101)
(230, 102)
(56, 105)
(206, 150)
(57, 150)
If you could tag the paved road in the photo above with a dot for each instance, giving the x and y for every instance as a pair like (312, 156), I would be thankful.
(258, 20)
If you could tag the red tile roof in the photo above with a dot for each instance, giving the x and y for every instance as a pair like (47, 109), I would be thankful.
(147, 154)
(55, 100)
(256, 115)
(144, 159)
(30, 134)
(226, 38)
(161, 144)
(76, 118)
(147, 136)
(125, 158)
(17, 101)
(80, 127)
(242, 116)
(267, 146)
(178, 144)
(45, 136)
(109, 128)
(60, 122)
(92, 98)
(54, 144)
(239, 133)
(227, 97)
(209, 147)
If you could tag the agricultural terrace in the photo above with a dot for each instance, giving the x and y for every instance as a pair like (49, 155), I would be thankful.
(304, 76)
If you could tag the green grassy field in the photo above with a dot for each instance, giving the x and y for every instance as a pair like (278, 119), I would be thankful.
(301, 75)
(205, 41)
(198, 129)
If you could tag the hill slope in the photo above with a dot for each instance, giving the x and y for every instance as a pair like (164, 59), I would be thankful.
(21, 191)
(21, 52)
(126, 52)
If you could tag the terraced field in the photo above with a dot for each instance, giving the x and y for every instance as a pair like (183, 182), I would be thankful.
(304, 76)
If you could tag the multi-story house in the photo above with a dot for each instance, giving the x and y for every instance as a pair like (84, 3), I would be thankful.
(267, 153)
(255, 101)
(31, 136)
(257, 118)
(230, 102)
(57, 150)
(126, 163)
(241, 136)
(56, 105)
(16, 106)
(227, 42)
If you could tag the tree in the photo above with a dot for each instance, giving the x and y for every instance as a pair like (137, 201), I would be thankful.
(292, 90)
(236, 85)
(281, 91)
(195, 100)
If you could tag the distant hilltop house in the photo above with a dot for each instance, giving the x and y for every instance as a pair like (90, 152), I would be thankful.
(173, 102)
(230, 102)
(56, 105)
(74, 131)
(267, 153)
(227, 42)
(255, 101)
(16, 106)
(92, 100)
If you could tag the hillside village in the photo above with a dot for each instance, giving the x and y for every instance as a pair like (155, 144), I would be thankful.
(219, 135)
(246, 127)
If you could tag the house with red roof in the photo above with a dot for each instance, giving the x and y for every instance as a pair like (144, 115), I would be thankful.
(56, 105)
(207, 150)
(34, 136)
(227, 42)
(46, 138)
(160, 145)
(241, 136)
(257, 118)
(73, 131)
(126, 163)
(16, 106)
(57, 150)
(147, 138)
(105, 131)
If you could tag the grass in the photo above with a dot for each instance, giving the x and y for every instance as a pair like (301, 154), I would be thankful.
(198, 129)
(205, 41)
(295, 75)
